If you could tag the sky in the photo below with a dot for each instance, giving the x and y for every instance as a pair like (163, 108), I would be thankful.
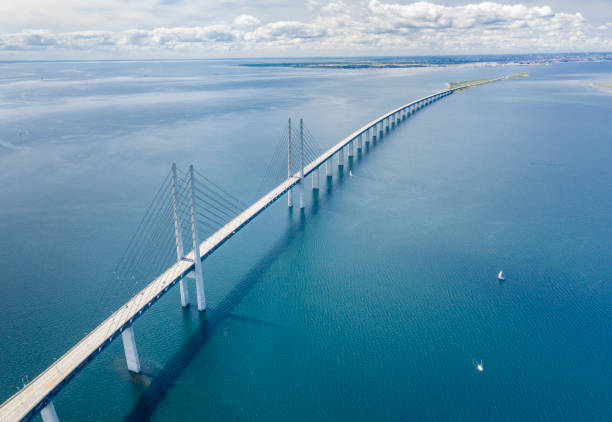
(61, 29)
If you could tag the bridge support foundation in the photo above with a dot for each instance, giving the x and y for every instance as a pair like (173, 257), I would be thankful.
(200, 288)
(350, 153)
(341, 157)
(315, 179)
(184, 294)
(328, 168)
(360, 142)
(49, 414)
(131, 353)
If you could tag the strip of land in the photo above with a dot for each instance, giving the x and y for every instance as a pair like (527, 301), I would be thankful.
(469, 84)
(605, 85)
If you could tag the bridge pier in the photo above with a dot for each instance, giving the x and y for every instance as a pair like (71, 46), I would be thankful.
(129, 348)
(328, 168)
(48, 413)
(380, 130)
(341, 157)
(350, 152)
(360, 142)
(367, 142)
(315, 179)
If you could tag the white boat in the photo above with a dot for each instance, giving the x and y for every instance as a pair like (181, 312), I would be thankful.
(350, 173)
(480, 367)
(500, 276)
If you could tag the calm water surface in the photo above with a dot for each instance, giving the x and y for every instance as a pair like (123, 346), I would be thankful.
(375, 302)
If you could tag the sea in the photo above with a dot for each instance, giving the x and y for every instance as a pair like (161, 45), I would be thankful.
(377, 301)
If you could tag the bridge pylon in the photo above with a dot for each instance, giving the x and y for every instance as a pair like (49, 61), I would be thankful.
(178, 238)
(301, 163)
(201, 297)
(290, 192)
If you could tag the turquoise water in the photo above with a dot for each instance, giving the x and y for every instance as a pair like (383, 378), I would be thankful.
(375, 302)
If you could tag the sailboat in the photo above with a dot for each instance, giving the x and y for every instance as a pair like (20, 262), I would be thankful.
(500, 276)
(350, 173)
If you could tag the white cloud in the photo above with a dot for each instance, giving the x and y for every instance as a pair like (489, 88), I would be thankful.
(246, 21)
(335, 7)
(373, 27)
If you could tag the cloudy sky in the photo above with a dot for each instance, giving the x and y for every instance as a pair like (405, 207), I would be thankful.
(249, 28)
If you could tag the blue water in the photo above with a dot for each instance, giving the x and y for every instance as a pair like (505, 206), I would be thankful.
(376, 301)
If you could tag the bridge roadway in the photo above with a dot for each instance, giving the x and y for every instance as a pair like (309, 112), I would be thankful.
(31, 399)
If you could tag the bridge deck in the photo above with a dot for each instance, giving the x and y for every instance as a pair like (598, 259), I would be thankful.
(33, 397)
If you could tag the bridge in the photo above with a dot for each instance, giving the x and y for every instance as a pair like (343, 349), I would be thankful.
(37, 396)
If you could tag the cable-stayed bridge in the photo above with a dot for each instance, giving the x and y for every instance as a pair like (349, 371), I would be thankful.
(191, 210)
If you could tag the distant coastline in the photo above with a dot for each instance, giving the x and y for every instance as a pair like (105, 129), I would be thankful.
(432, 61)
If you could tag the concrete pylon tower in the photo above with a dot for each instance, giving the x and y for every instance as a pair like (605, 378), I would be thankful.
(201, 297)
(290, 193)
(178, 238)
(301, 163)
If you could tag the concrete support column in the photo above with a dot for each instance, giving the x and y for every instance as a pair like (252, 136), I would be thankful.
(387, 125)
(350, 148)
(315, 179)
(290, 192)
(178, 239)
(341, 157)
(301, 163)
(368, 137)
(360, 142)
(129, 347)
(328, 167)
(48, 413)
(201, 297)
(380, 130)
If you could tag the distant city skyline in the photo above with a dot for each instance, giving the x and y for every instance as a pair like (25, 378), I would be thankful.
(32, 29)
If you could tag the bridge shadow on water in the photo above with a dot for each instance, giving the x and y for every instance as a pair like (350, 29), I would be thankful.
(164, 380)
